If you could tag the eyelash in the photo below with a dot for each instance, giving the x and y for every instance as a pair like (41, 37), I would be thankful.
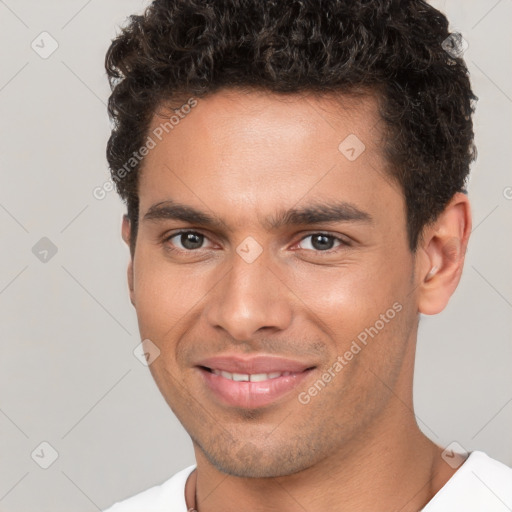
(167, 239)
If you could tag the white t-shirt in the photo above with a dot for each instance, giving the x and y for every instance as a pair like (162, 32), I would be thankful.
(481, 484)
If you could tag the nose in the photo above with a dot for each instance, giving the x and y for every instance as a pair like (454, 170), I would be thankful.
(249, 298)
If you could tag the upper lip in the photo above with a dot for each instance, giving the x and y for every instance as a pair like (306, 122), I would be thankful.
(254, 364)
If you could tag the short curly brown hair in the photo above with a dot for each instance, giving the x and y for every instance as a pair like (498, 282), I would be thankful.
(400, 49)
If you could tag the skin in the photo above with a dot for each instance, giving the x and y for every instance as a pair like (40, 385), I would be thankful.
(242, 156)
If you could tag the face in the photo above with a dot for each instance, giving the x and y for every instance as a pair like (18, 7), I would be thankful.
(272, 272)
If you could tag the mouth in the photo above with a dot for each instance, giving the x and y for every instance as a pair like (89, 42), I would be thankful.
(247, 377)
(252, 383)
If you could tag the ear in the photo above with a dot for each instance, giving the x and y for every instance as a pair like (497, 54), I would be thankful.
(126, 233)
(441, 256)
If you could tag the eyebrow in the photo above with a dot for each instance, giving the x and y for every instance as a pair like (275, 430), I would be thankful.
(314, 213)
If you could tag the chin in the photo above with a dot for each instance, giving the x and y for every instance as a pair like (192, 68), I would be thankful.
(251, 461)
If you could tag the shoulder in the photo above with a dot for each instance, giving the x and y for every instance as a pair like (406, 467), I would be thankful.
(170, 495)
(481, 483)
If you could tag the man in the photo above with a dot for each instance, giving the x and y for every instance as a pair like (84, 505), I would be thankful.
(294, 173)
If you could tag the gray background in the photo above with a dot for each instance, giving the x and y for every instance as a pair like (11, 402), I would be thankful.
(68, 375)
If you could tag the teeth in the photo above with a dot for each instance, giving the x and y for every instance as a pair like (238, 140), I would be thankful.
(258, 377)
(255, 377)
(240, 377)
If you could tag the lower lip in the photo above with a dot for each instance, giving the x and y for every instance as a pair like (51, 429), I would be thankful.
(251, 395)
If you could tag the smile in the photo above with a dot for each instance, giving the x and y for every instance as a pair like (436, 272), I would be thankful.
(246, 377)
(249, 383)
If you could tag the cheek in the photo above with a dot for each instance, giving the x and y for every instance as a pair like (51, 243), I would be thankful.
(165, 294)
(346, 298)
(361, 307)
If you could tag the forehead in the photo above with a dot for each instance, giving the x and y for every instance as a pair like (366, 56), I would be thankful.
(260, 116)
(236, 149)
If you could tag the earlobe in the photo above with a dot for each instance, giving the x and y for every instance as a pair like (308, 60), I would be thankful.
(443, 249)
